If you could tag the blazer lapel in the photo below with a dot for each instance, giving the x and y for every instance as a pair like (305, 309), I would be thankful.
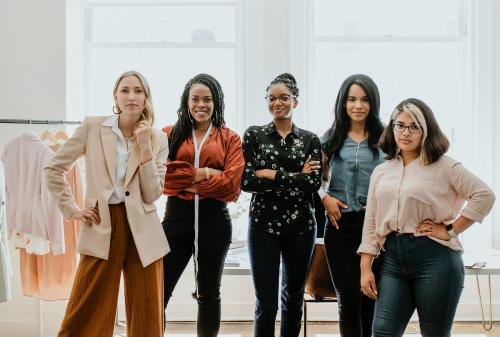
(109, 144)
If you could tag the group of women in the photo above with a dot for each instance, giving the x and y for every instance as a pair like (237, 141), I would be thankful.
(394, 205)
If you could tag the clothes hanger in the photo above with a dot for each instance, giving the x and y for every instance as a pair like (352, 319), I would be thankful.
(61, 135)
(47, 136)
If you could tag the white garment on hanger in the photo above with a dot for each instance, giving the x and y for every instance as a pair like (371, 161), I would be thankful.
(30, 206)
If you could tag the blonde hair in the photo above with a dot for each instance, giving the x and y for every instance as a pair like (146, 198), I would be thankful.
(148, 112)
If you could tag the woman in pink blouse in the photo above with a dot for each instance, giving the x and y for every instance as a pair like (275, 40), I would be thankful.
(415, 213)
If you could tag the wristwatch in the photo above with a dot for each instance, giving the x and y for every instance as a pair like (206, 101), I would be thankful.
(451, 230)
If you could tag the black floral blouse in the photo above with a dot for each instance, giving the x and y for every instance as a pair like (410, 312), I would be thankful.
(285, 205)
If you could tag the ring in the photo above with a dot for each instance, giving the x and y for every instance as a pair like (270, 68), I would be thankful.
(431, 228)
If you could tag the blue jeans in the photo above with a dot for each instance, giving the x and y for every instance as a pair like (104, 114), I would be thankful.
(420, 273)
(295, 252)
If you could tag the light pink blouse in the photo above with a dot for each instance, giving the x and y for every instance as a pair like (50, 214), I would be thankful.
(30, 206)
(400, 197)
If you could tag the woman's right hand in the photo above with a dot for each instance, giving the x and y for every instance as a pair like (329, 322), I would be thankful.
(201, 174)
(89, 215)
(368, 284)
(333, 208)
(214, 172)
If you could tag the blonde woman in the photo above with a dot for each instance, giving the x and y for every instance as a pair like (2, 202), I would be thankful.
(120, 232)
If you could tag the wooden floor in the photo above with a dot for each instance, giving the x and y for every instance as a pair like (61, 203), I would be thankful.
(245, 329)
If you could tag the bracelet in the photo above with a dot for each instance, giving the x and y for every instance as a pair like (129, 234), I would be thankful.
(207, 173)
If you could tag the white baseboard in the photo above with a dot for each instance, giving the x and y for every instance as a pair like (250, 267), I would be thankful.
(230, 312)
(315, 312)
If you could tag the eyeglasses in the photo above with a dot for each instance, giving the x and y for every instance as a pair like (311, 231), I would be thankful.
(400, 128)
(282, 98)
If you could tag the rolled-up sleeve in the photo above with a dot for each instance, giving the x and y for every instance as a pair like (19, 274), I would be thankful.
(480, 198)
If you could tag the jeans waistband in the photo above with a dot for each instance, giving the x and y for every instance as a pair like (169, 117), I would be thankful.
(398, 234)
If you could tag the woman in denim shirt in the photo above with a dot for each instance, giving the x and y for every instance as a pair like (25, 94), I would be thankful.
(351, 153)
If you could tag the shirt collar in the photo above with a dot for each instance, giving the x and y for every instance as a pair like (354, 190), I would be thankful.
(31, 136)
(270, 129)
(112, 122)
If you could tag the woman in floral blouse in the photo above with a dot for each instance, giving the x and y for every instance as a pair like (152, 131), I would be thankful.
(282, 171)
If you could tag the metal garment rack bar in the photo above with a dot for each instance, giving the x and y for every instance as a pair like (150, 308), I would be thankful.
(37, 121)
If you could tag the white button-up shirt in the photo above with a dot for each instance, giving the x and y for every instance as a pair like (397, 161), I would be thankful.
(123, 151)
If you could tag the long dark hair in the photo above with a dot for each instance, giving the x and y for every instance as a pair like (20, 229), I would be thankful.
(183, 127)
(334, 137)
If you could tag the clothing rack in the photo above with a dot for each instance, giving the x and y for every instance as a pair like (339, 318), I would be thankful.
(36, 121)
(41, 323)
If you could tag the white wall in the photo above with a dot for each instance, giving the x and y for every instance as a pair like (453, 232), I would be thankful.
(33, 85)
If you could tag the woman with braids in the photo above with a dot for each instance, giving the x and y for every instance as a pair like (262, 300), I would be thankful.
(351, 154)
(282, 171)
(204, 170)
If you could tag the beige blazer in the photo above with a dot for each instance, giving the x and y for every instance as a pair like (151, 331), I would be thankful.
(143, 186)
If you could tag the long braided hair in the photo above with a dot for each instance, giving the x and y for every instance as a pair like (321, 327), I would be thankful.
(335, 136)
(184, 125)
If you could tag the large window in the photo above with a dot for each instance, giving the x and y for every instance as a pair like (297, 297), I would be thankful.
(435, 50)
(420, 49)
(167, 41)
(426, 49)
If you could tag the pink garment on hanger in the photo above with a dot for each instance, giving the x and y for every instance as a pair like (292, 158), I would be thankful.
(30, 206)
(50, 277)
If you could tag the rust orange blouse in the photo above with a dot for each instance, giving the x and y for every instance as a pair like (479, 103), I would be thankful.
(222, 151)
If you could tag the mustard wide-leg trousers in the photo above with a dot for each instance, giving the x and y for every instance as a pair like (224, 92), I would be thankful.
(92, 305)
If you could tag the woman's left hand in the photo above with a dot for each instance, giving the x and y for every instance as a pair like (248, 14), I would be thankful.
(434, 229)
(311, 165)
(143, 135)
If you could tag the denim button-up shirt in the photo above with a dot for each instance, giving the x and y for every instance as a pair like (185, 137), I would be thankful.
(350, 173)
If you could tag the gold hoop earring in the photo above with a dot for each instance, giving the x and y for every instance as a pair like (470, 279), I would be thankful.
(116, 110)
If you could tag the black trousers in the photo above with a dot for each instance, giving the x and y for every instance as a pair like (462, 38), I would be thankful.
(355, 309)
(214, 237)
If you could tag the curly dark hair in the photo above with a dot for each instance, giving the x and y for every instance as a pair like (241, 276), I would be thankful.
(183, 127)
(334, 137)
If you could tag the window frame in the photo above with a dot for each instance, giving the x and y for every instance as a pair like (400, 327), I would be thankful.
(477, 34)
